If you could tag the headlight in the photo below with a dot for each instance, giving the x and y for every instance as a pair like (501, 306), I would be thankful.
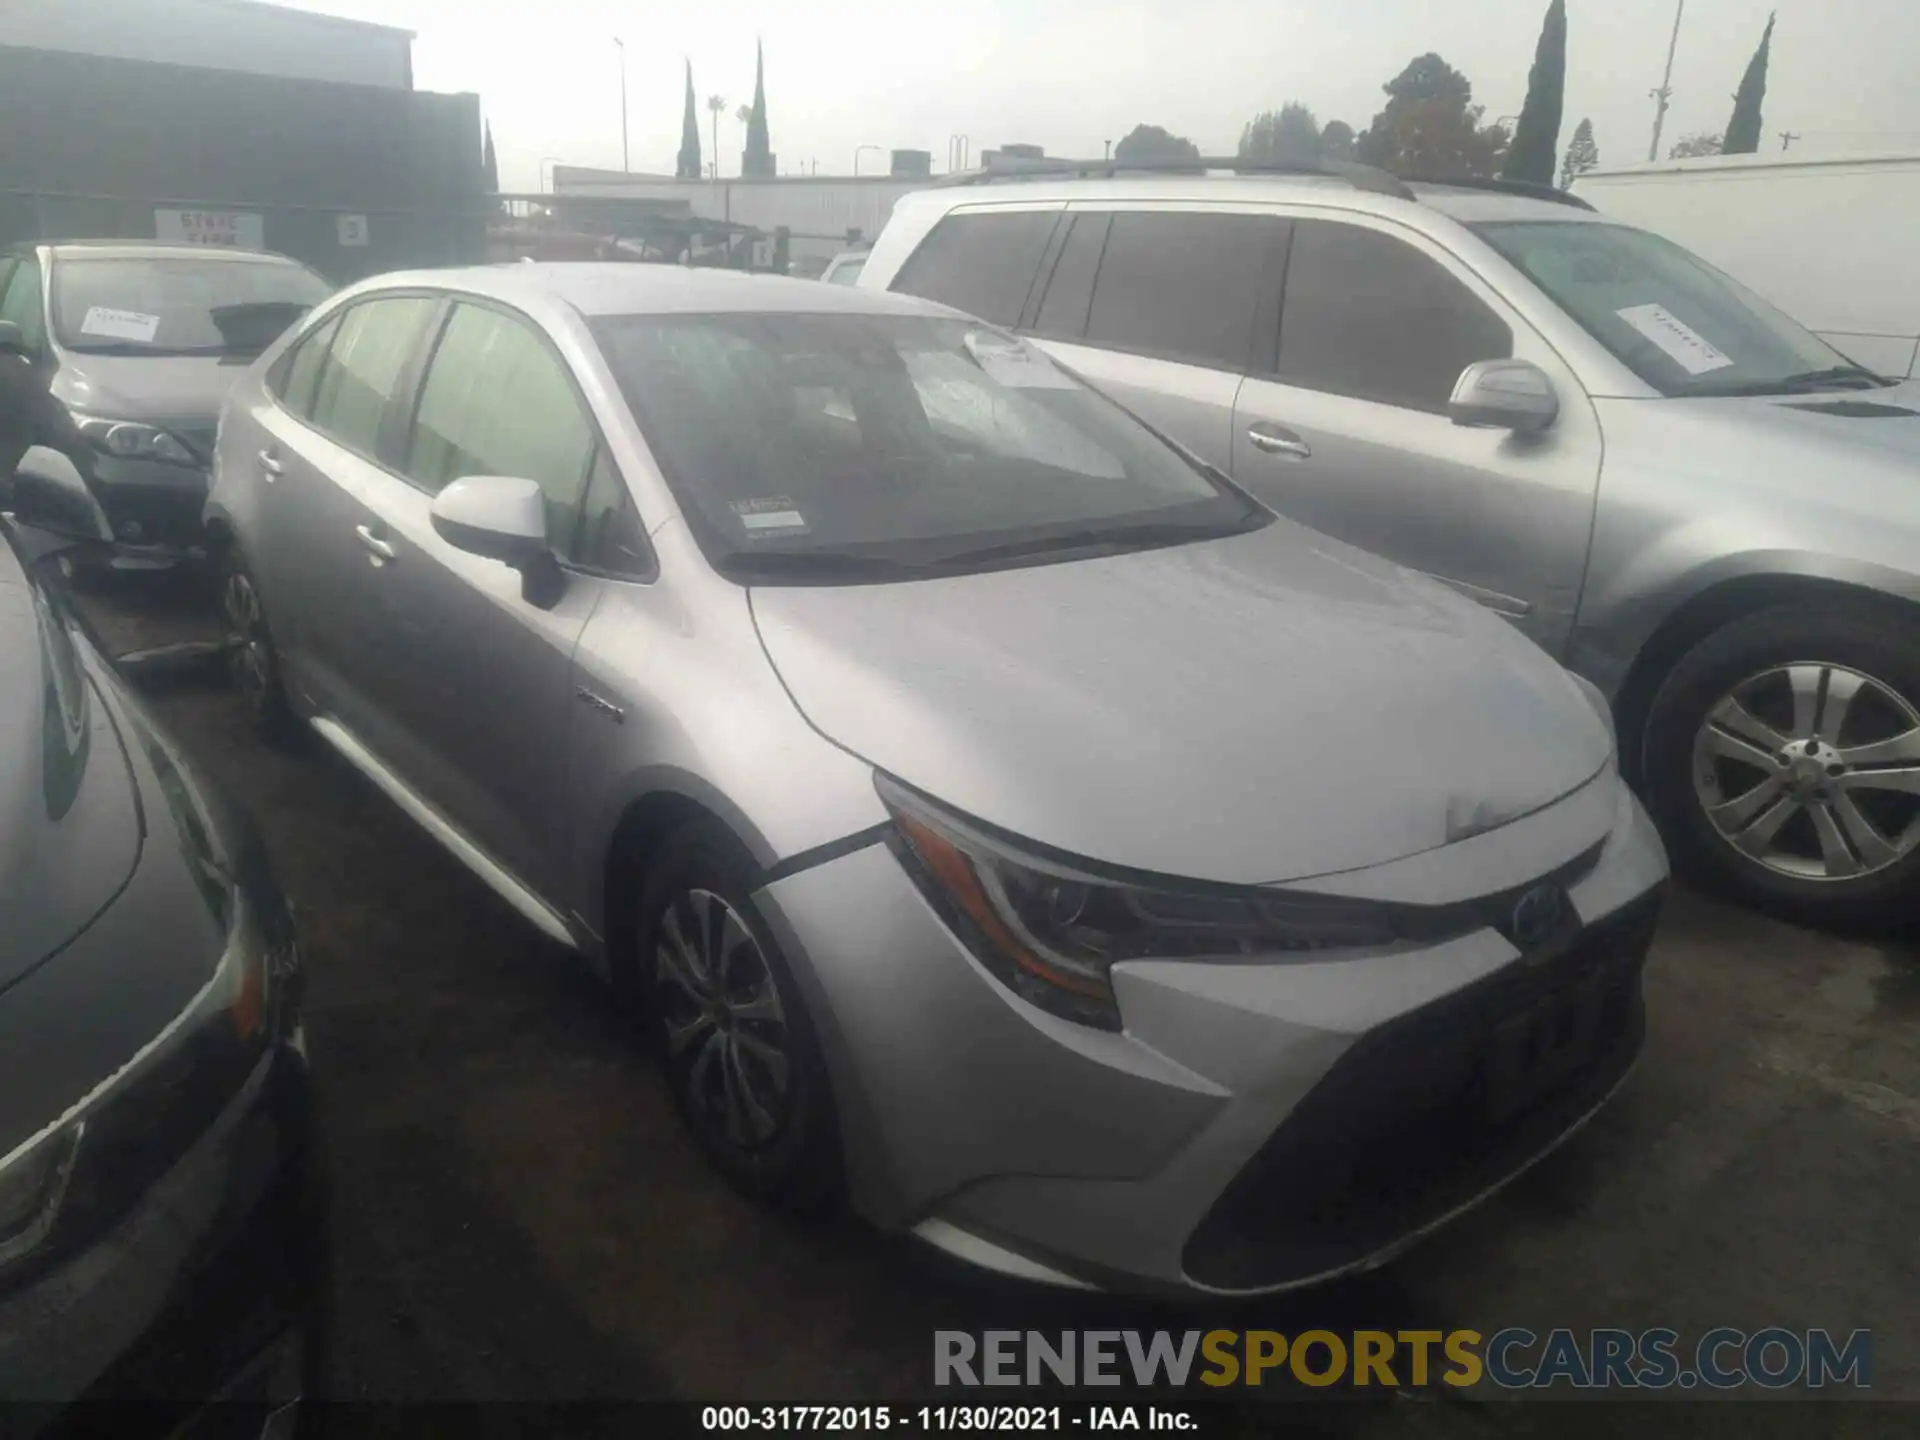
(1052, 929)
(131, 440)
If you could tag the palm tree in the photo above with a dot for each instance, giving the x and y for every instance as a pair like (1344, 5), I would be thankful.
(716, 103)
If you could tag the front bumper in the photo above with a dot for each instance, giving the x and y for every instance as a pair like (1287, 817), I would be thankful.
(204, 1289)
(154, 510)
(1256, 1126)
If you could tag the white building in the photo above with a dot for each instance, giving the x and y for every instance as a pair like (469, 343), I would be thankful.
(243, 35)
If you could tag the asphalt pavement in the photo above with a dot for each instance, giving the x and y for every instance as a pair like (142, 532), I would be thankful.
(518, 1216)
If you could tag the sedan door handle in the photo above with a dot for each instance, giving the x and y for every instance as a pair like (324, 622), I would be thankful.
(1277, 440)
(382, 551)
(270, 466)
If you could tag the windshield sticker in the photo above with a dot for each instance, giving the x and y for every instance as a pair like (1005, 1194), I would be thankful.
(1688, 349)
(119, 324)
(1016, 365)
(769, 516)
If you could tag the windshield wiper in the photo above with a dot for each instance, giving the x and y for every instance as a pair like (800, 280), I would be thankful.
(1805, 381)
(1110, 537)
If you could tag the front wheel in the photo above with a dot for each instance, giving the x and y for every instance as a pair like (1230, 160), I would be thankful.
(741, 1058)
(1783, 763)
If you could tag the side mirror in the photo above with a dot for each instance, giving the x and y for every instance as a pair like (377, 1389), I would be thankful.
(49, 494)
(12, 342)
(1512, 395)
(502, 519)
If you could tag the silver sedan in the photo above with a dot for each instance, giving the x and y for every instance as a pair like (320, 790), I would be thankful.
(1002, 819)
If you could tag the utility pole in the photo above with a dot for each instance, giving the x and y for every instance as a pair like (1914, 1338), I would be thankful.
(1665, 92)
(626, 159)
(1109, 145)
(1787, 137)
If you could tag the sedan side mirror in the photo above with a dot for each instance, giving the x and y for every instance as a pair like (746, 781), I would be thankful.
(1512, 395)
(502, 519)
(49, 494)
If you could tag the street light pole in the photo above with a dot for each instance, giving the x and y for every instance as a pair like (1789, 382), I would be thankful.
(1665, 92)
(859, 148)
(626, 159)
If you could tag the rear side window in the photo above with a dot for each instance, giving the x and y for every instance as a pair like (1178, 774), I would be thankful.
(497, 401)
(296, 372)
(1182, 285)
(1367, 315)
(368, 354)
(982, 264)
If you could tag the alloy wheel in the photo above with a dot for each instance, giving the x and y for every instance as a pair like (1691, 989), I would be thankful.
(1812, 771)
(726, 1029)
(249, 649)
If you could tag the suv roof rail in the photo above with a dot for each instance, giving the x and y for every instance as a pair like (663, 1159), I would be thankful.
(1361, 177)
(1527, 188)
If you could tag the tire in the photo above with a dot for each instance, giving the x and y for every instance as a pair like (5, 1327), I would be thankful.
(768, 1127)
(253, 664)
(1756, 769)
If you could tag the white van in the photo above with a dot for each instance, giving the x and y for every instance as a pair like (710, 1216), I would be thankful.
(1829, 239)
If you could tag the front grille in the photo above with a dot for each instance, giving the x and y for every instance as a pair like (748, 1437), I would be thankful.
(1427, 1111)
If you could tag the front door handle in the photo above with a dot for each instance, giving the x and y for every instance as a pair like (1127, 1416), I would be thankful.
(270, 466)
(1278, 440)
(382, 552)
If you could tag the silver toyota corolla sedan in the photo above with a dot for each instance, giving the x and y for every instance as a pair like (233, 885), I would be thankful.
(998, 815)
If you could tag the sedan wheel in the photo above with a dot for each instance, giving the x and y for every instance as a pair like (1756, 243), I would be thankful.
(721, 1002)
(1782, 759)
(726, 1030)
(252, 662)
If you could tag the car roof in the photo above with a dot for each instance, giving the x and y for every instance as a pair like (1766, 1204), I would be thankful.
(642, 288)
(1464, 201)
(155, 250)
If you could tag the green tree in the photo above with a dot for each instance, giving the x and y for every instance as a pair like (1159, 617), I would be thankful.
(1336, 141)
(1743, 130)
(757, 159)
(1289, 133)
(688, 166)
(1538, 135)
(1431, 127)
(1150, 142)
(1692, 146)
(1582, 154)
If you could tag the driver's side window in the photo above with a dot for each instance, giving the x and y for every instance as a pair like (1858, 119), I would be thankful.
(21, 304)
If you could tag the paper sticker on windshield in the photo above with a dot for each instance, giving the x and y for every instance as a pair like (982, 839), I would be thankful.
(769, 516)
(1691, 351)
(119, 324)
(1015, 365)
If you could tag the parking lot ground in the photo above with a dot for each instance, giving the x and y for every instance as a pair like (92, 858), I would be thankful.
(519, 1217)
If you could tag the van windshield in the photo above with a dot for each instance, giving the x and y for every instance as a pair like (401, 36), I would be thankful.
(829, 448)
(1675, 321)
(190, 305)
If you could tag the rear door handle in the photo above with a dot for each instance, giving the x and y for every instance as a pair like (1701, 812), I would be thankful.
(1278, 440)
(380, 549)
(270, 466)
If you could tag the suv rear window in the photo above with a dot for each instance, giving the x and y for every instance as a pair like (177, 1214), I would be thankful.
(983, 264)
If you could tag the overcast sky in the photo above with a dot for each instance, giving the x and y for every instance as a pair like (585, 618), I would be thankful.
(1070, 74)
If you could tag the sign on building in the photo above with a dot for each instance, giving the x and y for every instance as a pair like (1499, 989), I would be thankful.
(232, 229)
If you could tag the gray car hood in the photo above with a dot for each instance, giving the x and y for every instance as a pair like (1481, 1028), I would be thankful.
(168, 389)
(1262, 708)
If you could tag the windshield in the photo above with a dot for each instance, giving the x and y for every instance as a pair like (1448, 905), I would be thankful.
(1671, 318)
(186, 306)
(858, 446)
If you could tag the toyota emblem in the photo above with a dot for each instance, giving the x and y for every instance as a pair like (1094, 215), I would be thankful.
(1536, 914)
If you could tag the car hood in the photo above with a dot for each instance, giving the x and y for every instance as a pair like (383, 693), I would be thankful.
(163, 389)
(1262, 708)
(70, 828)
